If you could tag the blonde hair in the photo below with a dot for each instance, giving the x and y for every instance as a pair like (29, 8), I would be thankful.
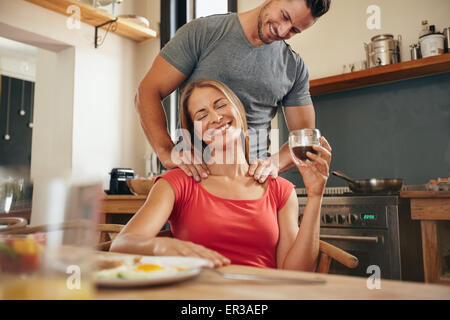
(186, 121)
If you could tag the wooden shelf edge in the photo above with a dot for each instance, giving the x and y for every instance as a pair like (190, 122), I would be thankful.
(94, 17)
(383, 74)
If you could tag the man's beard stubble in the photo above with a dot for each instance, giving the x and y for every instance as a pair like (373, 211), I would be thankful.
(260, 33)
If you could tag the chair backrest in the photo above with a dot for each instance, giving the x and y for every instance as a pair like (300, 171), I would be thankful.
(329, 252)
(12, 223)
(104, 230)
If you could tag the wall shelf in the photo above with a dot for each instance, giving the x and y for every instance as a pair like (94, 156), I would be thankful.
(383, 74)
(95, 17)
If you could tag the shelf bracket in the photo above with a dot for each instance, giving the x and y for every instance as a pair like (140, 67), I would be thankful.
(112, 27)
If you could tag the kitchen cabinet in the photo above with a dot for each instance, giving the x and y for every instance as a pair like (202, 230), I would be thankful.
(382, 74)
(95, 17)
(120, 204)
(432, 208)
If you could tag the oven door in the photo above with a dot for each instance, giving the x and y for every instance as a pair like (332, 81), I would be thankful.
(368, 245)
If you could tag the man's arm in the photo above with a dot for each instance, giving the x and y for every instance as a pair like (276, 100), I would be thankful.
(160, 81)
(297, 118)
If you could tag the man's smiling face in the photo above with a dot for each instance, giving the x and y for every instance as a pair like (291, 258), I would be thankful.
(282, 19)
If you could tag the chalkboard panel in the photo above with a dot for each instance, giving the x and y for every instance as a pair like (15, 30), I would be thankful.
(400, 129)
(17, 150)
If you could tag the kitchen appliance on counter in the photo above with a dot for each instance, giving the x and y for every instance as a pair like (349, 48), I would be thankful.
(382, 50)
(15, 195)
(375, 228)
(118, 180)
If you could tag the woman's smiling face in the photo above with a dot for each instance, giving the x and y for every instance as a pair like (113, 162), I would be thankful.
(214, 117)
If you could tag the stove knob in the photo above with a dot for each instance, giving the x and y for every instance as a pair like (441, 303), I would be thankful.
(327, 218)
(352, 218)
(340, 218)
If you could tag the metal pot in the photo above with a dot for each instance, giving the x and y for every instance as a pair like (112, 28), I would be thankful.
(382, 50)
(373, 185)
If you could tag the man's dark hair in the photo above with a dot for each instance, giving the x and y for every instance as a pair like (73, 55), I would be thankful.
(318, 7)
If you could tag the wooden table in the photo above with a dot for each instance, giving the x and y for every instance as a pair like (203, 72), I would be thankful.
(210, 286)
(120, 204)
(432, 208)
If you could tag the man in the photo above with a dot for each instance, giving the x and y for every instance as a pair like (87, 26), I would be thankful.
(247, 52)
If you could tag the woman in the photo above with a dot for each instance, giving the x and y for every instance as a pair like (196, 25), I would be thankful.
(229, 217)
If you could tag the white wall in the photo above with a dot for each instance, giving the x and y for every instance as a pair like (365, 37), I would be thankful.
(337, 38)
(52, 139)
(17, 60)
(85, 120)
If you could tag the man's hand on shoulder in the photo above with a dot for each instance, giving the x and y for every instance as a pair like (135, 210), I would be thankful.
(186, 161)
(262, 169)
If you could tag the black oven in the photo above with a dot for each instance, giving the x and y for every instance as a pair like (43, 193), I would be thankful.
(375, 229)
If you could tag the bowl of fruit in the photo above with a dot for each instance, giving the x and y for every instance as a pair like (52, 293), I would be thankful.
(21, 253)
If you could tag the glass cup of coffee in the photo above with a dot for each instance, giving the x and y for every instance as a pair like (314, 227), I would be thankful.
(301, 142)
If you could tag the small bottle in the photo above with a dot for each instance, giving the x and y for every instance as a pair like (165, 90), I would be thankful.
(425, 28)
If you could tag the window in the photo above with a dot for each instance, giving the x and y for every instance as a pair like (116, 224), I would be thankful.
(205, 8)
(174, 14)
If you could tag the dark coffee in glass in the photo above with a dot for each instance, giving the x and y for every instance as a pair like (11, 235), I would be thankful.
(301, 142)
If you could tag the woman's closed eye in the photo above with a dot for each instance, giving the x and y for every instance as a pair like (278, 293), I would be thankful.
(202, 114)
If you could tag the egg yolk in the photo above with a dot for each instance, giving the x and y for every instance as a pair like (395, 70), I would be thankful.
(148, 267)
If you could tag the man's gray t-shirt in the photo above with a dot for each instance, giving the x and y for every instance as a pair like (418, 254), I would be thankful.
(263, 77)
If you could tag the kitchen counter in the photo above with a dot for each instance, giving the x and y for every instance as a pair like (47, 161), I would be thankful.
(432, 208)
(425, 194)
(429, 205)
(117, 205)
(120, 204)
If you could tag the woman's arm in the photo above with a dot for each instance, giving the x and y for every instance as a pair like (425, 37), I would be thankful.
(299, 247)
(139, 235)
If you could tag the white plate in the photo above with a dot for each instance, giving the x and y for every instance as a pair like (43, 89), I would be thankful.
(194, 267)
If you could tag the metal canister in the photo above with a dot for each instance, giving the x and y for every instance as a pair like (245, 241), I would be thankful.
(383, 50)
(447, 39)
(415, 51)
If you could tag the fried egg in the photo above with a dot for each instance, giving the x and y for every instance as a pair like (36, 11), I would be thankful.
(140, 271)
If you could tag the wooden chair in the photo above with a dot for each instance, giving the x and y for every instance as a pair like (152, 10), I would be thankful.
(103, 230)
(12, 223)
(327, 252)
